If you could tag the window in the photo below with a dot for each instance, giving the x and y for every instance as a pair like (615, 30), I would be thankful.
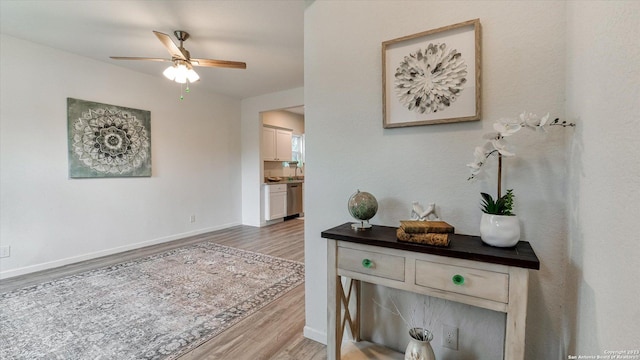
(297, 149)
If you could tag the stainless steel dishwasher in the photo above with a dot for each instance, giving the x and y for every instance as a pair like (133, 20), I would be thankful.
(294, 199)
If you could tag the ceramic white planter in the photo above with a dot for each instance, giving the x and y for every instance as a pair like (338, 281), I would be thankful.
(499, 230)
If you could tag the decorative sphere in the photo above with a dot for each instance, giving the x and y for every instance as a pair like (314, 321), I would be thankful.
(362, 205)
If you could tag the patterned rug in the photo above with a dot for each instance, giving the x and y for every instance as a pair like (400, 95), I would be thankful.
(157, 307)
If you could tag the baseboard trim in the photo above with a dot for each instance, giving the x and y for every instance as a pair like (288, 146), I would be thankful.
(315, 335)
(271, 222)
(74, 259)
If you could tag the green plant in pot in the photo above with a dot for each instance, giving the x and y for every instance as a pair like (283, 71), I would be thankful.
(501, 206)
(499, 226)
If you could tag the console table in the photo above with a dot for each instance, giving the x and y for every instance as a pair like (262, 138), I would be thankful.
(467, 271)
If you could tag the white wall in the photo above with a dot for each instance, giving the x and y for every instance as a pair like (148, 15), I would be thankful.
(251, 129)
(523, 45)
(284, 119)
(603, 94)
(49, 219)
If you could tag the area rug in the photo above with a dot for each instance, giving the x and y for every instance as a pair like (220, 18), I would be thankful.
(156, 307)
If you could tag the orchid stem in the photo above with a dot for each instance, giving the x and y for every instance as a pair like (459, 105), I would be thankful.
(499, 175)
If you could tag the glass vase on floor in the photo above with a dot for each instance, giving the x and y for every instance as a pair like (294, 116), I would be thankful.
(419, 347)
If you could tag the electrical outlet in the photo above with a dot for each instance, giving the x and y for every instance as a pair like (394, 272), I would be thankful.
(192, 218)
(450, 337)
(5, 251)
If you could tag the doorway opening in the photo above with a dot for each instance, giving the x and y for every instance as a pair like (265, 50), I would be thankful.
(282, 152)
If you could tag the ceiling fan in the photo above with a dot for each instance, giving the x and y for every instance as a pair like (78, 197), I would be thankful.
(182, 69)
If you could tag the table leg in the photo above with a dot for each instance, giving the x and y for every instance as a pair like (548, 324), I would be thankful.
(516, 314)
(334, 312)
(349, 317)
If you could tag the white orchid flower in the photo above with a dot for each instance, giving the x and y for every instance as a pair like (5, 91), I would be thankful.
(503, 148)
(543, 123)
(480, 155)
(507, 127)
(475, 167)
(529, 119)
(543, 120)
(532, 121)
(491, 136)
(496, 141)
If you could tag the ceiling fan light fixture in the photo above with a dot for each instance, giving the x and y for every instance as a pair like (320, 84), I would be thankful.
(181, 73)
(192, 76)
(181, 77)
(170, 72)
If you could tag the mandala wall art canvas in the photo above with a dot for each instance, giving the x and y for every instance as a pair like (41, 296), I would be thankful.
(108, 140)
(432, 77)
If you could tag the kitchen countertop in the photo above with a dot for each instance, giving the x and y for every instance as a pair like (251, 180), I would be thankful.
(283, 181)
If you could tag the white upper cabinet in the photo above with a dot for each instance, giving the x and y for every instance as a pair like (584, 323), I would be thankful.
(283, 145)
(276, 144)
(268, 143)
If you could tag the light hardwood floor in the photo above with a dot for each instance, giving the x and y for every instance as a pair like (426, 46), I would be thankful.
(274, 332)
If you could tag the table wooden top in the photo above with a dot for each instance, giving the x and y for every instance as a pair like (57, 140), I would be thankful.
(461, 246)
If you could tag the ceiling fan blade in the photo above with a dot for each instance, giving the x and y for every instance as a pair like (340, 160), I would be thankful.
(137, 58)
(173, 49)
(219, 63)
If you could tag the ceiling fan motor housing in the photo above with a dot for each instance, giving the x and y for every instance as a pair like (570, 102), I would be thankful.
(181, 35)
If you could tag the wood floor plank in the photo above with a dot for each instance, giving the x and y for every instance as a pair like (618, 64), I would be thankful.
(273, 332)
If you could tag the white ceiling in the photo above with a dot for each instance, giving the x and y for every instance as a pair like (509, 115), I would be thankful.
(267, 35)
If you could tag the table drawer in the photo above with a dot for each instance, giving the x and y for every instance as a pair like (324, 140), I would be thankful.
(462, 280)
(371, 263)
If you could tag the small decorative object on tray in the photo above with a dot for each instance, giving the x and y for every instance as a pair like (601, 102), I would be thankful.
(420, 213)
(434, 233)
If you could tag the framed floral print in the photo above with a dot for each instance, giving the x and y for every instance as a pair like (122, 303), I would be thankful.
(108, 140)
(432, 77)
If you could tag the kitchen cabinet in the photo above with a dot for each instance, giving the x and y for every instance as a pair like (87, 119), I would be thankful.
(276, 144)
(275, 201)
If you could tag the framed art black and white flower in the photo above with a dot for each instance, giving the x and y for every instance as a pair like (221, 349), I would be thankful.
(432, 77)
(108, 140)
